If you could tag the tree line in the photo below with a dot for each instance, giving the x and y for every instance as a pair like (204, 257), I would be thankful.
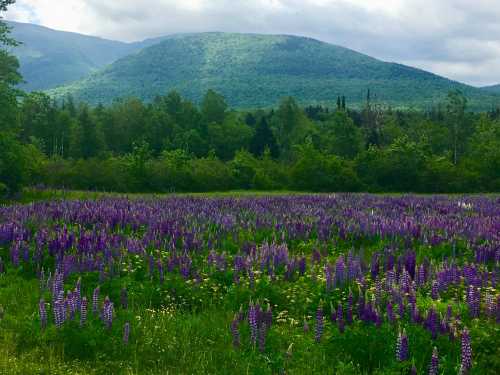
(172, 144)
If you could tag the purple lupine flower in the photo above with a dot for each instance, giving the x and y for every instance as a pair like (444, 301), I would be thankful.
(62, 307)
(435, 290)
(78, 293)
(124, 298)
(402, 347)
(126, 333)
(253, 322)
(319, 324)
(498, 309)
(378, 319)
(57, 317)
(15, 254)
(329, 277)
(71, 303)
(420, 276)
(262, 337)
(95, 300)
(489, 302)
(474, 301)
(431, 322)
(340, 275)
(390, 313)
(302, 265)
(43, 313)
(466, 350)
(433, 368)
(83, 311)
(378, 291)
(251, 279)
(401, 307)
(235, 332)
(340, 318)
(59, 310)
(349, 307)
(107, 313)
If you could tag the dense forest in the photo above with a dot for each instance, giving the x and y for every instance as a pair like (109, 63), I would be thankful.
(172, 144)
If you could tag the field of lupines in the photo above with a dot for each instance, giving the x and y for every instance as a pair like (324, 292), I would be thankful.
(316, 284)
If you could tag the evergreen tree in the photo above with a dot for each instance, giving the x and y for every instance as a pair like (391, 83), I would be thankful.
(213, 108)
(264, 138)
(87, 140)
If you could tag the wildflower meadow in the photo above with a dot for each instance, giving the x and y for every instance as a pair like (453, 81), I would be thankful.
(281, 284)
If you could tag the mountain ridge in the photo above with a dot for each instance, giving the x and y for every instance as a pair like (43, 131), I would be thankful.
(50, 58)
(251, 70)
(256, 70)
(495, 89)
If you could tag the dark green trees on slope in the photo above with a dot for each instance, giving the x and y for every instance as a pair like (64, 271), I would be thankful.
(495, 89)
(256, 71)
(50, 58)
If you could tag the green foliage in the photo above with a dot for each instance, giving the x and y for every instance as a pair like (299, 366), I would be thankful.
(253, 71)
(341, 137)
(51, 58)
(213, 108)
(5, 39)
(484, 148)
(228, 137)
(264, 139)
(315, 171)
(495, 89)
(396, 168)
(292, 126)
(19, 164)
(168, 145)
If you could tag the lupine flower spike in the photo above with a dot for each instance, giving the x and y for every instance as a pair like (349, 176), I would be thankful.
(466, 349)
(126, 333)
(433, 368)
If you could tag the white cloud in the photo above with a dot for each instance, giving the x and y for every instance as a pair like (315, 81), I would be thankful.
(454, 38)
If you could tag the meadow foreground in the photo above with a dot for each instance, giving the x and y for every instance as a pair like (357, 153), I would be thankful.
(305, 284)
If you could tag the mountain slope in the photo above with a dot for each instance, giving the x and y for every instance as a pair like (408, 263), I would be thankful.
(495, 89)
(51, 58)
(257, 70)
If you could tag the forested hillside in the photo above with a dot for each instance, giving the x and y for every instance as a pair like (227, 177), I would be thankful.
(254, 71)
(495, 89)
(170, 143)
(50, 58)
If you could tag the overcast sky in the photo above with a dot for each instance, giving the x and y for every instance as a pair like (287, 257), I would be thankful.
(459, 39)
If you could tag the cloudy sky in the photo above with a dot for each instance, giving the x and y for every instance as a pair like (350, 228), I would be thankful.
(459, 39)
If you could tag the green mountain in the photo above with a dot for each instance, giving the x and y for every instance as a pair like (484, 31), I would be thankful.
(51, 58)
(495, 89)
(257, 70)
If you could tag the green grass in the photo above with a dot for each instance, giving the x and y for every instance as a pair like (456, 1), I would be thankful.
(183, 328)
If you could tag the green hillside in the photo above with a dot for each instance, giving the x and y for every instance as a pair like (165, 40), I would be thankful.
(495, 89)
(257, 70)
(51, 58)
